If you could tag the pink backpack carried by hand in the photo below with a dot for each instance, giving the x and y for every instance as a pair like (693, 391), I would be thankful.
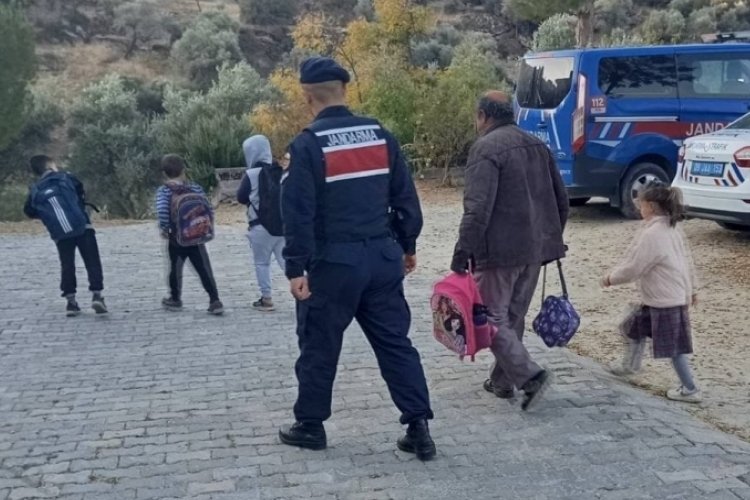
(459, 316)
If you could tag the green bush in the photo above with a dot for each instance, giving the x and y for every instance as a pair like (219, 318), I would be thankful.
(393, 98)
(113, 150)
(663, 26)
(556, 33)
(207, 128)
(16, 70)
(141, 21)
(268, 12)
(43, 116)
(447, 107)
(12, 199)
(210, 42)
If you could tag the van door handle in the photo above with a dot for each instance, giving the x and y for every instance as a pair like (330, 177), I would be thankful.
(542, 125)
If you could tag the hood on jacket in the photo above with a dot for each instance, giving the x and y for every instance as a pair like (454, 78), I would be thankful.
(257, 149)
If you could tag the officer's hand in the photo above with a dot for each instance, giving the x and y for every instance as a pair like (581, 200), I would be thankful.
(410, 263)
(300, 288)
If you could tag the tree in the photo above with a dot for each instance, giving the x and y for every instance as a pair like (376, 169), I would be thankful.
(43, 116)
(556, 33)
(17, 68)
(208, 128)
(210, 42)
(663, 26)
(539, 10)
(268, 12)
(113, 148)
(141, 21)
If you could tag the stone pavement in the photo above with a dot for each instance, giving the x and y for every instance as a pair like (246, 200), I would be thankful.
(149, 405)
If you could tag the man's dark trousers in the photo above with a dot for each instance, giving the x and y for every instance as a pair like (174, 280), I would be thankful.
(87, 246)
(363, 281)
(198, 257)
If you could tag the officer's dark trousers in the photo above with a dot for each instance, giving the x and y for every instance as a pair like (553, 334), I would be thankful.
(362, 281)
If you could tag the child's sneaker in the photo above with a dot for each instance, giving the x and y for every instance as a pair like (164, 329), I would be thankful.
(216, 308)
(684, 395)
(171, 304)
(72, 310)
(98, 305)
(264, 304)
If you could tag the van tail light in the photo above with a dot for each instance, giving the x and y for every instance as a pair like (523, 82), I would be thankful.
(681, 154)
(742, 157)
(579, 116)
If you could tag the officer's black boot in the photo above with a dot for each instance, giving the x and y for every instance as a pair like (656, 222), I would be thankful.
(310, 435)
(417, 440)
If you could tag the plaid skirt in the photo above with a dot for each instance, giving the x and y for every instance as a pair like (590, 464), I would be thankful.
(669, 328)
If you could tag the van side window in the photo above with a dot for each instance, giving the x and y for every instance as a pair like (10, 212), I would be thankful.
(640, 76)
(714, 75)
(543, 83)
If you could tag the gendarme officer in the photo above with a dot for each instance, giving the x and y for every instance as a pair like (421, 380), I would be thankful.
(352, 218)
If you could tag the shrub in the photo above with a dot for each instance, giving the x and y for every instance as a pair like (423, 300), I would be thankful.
(113, 148)
(16, 70)
(264, 12)
(393, 98)
(12, 199)
(141, 21)
(446, 109)
(365, 9)
(205, 46)
(43, 116)
(207, 128)
(663, 26)
(557, 32)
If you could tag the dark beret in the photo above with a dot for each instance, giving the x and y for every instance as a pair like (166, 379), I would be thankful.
(322, 69)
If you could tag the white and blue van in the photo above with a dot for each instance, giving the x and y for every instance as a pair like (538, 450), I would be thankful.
(615, 118)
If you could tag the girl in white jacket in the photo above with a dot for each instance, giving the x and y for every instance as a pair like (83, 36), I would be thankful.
(659, 261)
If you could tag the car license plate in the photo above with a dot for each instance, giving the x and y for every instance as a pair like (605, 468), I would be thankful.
(707, 169)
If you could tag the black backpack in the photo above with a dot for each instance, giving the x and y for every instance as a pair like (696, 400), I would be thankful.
(269, 193)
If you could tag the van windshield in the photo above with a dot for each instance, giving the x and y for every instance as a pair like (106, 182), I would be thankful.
(543, 83)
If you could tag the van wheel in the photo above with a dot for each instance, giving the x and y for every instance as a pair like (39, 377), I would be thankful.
(734, 227)
(579, 202)
(638, 177)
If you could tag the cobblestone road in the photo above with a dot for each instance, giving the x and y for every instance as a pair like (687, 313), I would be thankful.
(149, 405)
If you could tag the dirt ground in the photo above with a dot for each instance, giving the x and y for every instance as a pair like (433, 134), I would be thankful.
(597, 236)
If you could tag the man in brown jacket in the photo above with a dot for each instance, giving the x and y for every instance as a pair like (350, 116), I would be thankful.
(515, 210)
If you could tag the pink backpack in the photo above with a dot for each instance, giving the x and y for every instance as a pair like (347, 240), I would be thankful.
(459, 317)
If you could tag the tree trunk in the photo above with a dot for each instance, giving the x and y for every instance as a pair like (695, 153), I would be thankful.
(198, 3)
(585, 28)
(132, 45)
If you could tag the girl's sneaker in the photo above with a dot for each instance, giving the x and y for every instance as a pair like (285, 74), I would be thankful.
(216, 308)
(171, 304)
(684, 395)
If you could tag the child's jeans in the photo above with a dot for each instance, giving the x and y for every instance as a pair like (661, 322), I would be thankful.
(89, 250)
(264, 247)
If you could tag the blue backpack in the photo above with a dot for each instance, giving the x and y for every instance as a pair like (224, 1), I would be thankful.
(59, 207)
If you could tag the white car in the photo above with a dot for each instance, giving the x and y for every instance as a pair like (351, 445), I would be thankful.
(713, 172)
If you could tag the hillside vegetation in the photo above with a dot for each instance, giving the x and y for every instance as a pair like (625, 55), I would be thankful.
(110, 85)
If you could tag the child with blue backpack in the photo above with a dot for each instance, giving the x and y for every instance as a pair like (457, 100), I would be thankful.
(59, 201)
(186, 221)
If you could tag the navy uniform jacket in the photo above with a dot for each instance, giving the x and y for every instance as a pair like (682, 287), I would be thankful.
(347, 182)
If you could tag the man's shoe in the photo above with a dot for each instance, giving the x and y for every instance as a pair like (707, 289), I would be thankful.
(98, 305)
(72, 310)
(311, 436)
(535, 388)
(171, 304)
(216, 308)
(264, 304)
(418, 441)
(500, 393)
